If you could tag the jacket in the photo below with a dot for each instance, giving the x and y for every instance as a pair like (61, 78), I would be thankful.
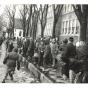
(30, 51)
(11, 59)
(10, 47)
(41, 48)
(54, 50)
(70, 50)
(47, 52)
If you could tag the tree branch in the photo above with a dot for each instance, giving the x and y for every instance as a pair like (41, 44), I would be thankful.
(77, 12)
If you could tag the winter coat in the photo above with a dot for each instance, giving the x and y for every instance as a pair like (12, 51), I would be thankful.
(62, 47)
(27, 43)
(36, 52)
(30, 51)
(47, 52)
(10, 47)
(11, 59)
(7, 43)
(70, 50)
(36, 47)
(19, 43)
(65, 68)
(82, 57)
(54, 50)
(1, 41)
(41, 48)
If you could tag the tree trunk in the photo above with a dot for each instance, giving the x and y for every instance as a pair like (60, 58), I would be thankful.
(42, 31)
(53, 32)
(13, 26)
(35, 28)
(27, 29)
(83, 31)
(24, 31)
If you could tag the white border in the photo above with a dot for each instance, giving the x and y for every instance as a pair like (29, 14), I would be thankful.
(43, 2)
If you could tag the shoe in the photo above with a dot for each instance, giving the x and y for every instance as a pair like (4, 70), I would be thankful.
(12, 78)
(3, 81)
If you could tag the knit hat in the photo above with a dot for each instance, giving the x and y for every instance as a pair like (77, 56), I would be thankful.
(71, 39)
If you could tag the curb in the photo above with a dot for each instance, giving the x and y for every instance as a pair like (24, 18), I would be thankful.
(39, 75)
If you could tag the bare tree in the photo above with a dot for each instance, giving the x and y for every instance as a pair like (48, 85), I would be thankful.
(34, 20)
(43, 17)
(81, 12)
(56, 12)
(23, 17)
(29, 7)
(10, 12)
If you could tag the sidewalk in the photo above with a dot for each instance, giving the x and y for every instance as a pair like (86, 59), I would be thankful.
(53, 74)
(21, 76)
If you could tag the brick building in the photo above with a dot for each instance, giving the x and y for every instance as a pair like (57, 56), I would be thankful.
(49, 23)
(68, 24)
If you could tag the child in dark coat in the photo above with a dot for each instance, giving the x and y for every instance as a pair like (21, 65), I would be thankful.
(11, 60)
(41, 53)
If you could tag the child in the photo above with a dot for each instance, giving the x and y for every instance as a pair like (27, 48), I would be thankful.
(41, 53)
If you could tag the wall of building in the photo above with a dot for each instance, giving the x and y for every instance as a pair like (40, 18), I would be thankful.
(17, 32)
(69, 24)
(49, 23)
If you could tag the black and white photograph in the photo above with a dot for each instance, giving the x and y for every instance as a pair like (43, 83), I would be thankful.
(44, 43)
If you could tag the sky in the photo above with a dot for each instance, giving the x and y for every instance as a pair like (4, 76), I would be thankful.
(1, 9)
(2, 6)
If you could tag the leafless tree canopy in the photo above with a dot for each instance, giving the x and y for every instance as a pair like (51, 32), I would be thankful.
(10, 12)
(56, 11)
(43, 17)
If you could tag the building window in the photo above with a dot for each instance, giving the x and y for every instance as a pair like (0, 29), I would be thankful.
(50, 8)
(73, 26)
(68, 8)
(50, 24)
(71, 8)
(65, 8)
(69, 29)
(77, 28)
(63, 27)
(66, 27)
(50, 14)
(20, 33)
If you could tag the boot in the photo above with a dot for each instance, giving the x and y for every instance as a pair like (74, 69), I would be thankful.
(3, 81)
(11, 76)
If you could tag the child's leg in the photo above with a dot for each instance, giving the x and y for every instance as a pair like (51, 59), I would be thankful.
(11, 75)
(5, 77)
